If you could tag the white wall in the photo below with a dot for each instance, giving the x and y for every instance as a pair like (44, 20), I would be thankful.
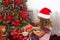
(56, 22)
(54, 5)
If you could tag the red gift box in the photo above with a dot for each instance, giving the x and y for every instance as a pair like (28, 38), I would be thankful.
(29, 28)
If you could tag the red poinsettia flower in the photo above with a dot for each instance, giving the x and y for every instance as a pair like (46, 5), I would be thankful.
(21, 37)
(18, 2)
(12, 17)
(1, 17)
(13, 32)
(2, 37)
(20, 31)
(16, 23)
(9, 18)
(6, 2)
(24, 7)
(23, 14)
(15, 1)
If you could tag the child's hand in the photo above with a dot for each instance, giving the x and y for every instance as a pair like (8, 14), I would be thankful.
(36, 28)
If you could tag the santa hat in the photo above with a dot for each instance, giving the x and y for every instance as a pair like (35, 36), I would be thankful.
(44, 13)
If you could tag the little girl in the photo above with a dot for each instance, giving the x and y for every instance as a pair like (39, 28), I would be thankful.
(43, 31)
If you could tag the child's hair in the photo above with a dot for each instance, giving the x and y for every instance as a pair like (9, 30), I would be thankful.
(45, 22)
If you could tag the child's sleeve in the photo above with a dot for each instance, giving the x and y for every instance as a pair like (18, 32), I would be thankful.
(47, 30)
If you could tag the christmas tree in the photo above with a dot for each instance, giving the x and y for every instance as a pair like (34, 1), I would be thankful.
(13, 17)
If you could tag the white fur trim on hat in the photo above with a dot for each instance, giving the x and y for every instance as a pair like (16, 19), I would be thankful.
(43, 16)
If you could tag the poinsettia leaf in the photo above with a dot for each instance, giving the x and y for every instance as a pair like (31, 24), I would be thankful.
(23, 0)
(23, 23)
(4, 22)
(11, 7)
